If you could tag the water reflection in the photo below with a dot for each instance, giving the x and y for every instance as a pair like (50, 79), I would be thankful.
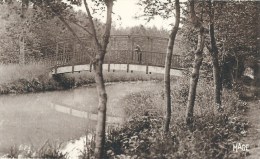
(30, 118)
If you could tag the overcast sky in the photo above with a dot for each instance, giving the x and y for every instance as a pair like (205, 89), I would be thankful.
(127, 10)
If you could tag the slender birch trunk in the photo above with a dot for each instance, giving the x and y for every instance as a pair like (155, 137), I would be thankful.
(196, 66)
(99, 78)
(214, 58)
(102, 107)
(168, 60)
(195, 77)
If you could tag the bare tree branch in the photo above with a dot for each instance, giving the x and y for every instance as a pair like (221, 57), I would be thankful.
(75, 35)
(92, 24)
(108, 24)
(82, 27)
(71, 30)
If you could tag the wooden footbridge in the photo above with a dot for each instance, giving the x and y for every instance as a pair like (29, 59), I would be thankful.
(124, 53)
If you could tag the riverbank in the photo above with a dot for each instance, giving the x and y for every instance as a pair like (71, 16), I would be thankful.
(16, 79)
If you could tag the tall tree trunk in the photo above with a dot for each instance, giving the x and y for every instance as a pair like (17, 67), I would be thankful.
(102, 106)
(98, 62)
(257, 67)
(214, 58)
(195, 77)
(168, 60)
(196, 66)
(217, 80)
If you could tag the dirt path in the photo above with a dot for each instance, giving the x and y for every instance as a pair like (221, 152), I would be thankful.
(253, 137)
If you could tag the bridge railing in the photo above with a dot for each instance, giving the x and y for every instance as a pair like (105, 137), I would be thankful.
(147, 58)
(70, 53)
(65, 55)
(113, 57)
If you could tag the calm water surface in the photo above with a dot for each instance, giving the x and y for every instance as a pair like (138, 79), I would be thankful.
(29, 119)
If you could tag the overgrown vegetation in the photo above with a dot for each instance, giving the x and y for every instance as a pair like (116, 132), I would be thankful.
(212, 135)
(48, 150)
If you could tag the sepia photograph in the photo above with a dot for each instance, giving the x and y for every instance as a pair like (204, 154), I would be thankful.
(130, 79)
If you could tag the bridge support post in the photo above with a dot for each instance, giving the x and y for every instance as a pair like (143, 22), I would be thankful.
(72, 69)
(127, 67)
(147, 70)
(73, 56)
(132, 49)
(64, 58)
(149, 43)
(112, 47)
(90, 67)
(55, 69)
(56, 57)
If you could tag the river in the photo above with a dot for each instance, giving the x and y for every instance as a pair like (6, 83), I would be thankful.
(32, 119)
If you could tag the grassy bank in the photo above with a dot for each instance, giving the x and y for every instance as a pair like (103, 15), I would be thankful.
(212, 135)
(18, 79)
(25, 78)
